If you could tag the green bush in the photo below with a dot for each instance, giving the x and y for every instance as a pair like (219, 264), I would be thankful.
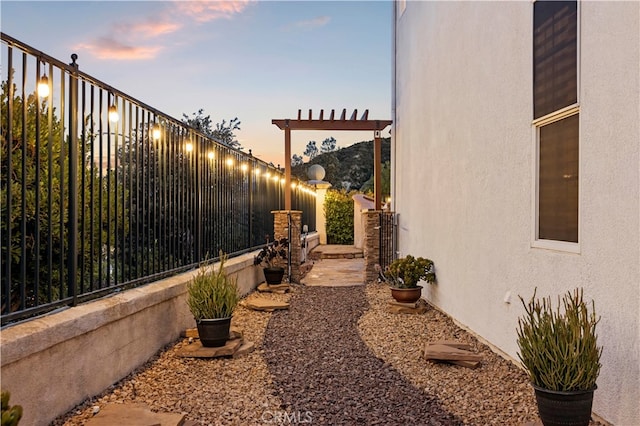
(338, 210)
(559, 349)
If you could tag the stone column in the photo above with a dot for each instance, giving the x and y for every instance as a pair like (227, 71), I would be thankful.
(371, 249)
(281, 230)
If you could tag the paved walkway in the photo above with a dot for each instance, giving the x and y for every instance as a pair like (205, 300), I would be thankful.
(337, 266)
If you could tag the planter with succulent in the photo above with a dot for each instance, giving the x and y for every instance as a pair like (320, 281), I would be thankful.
(404, 274)
(269, 255)
(212, 298)
(558, 348)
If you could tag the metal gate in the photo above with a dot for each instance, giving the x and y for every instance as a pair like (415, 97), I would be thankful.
(388, 238)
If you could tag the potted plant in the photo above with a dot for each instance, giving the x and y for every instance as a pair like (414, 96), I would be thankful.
(11, 415)
(269, 255)
(404, 274)
(212, 298)
(558, 348)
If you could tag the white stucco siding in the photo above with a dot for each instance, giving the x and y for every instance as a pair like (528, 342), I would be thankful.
(464, 164)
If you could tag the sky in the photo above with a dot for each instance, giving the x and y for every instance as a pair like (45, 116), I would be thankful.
(255, 60)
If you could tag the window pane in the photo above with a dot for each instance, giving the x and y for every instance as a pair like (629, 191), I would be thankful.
(554, 56)
(558, 181)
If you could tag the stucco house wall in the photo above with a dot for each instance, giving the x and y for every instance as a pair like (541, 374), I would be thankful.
(464, 160)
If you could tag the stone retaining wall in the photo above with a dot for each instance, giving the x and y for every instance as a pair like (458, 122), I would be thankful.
(52, 363)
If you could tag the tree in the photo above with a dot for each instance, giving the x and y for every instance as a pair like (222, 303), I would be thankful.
(312, 150)
(199, 122)
(328, 145)
(223, 132)
(385, 180)
(296, 160)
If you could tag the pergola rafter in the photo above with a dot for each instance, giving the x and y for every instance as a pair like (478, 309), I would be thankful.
(331, 123)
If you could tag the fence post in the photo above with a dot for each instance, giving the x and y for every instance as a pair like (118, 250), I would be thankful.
(72, 224)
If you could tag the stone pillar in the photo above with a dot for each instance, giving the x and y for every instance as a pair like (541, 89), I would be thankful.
(321, 221)
(281, 230)
(371, 249)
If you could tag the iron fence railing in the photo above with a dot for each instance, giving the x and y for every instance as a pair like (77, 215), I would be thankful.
(388, 238)
(91, 203)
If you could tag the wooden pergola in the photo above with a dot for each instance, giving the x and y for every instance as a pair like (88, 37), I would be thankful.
(333, 123)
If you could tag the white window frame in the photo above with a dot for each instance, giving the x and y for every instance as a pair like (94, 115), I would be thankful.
(563, 246)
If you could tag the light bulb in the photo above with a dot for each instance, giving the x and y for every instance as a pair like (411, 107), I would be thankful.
(156, 132)
(43, 86)
(113, 114)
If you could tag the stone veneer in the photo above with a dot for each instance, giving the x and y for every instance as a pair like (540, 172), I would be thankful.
(281, 230)
(371, 245)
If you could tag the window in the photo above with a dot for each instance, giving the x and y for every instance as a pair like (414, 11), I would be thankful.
(556, 121)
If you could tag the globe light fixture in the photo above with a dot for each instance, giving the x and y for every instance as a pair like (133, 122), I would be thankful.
(188, 147)
(229, 161)
(210, 155)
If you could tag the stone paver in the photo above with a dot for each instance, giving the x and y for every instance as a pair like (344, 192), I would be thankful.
(335, 273)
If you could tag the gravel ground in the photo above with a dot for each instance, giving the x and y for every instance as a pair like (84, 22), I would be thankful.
(336, 357)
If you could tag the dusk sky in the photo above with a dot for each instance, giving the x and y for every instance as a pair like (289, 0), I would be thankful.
(257, 60)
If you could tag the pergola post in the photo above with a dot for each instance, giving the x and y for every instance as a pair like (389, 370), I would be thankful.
(287, 166)
(377, 169)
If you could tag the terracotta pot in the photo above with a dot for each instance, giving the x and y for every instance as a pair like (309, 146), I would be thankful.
(558, 408)
(406, 295)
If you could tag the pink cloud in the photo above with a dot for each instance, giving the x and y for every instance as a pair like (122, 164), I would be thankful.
(109, 48)
(123, 40)
(205, 11)
(147, 29)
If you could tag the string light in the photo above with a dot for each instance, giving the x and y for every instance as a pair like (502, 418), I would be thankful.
(156, 132)
(43, 86)
(114, 117)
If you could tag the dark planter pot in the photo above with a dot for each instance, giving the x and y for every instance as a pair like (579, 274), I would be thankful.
(406, 295)
(558, 408)
(273, 275)
(214, 332)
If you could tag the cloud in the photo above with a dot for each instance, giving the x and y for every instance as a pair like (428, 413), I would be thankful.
(205, 11)
(310, 24)
(109, 48)
(147, 29)
(123, 40)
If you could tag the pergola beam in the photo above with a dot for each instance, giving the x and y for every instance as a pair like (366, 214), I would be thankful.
(364, 124)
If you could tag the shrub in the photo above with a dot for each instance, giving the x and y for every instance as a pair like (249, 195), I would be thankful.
(338, 210)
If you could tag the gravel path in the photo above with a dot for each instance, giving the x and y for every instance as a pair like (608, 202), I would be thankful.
(336, 357)
(324, 372)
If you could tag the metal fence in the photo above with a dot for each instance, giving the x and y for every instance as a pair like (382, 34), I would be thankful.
(388, 238)
(92, 203)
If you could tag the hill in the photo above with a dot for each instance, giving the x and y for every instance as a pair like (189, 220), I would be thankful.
(346, 168)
